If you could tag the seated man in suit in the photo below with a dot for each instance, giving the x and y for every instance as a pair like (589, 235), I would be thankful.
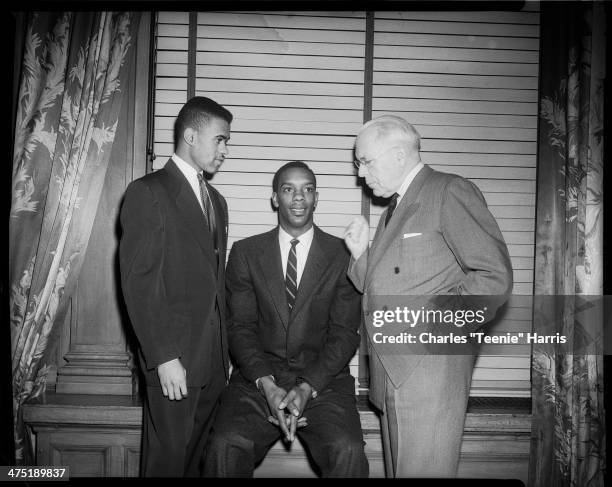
(293, 320)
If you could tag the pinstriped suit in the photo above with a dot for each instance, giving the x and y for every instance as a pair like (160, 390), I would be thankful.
(441, 240)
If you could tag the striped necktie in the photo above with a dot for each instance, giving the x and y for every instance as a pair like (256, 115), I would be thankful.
(209, 212)
(291, 275)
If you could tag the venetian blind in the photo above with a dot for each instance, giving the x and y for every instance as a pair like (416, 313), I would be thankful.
(468, 81)
(295, 84)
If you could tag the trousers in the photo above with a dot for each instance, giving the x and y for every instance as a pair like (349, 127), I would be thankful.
(242, 435)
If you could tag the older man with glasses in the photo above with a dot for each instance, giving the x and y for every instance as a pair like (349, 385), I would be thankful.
(436, 239)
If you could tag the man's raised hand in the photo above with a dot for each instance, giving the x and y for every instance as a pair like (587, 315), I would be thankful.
(357, 236)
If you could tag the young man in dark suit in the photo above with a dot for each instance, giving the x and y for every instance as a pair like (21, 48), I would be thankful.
(293, 319)
(172, 256)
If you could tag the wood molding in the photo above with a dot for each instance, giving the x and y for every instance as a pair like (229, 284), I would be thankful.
(102, 434)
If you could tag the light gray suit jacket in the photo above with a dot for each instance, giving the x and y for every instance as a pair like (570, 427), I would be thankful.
(441, 240)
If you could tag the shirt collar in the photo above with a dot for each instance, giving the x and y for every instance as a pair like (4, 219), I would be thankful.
(285, 239)
(188, 170)
(408, 180)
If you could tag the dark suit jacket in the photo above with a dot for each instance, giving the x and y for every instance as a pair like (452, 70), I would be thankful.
(319, 338)
(171, 278)
(441, 240)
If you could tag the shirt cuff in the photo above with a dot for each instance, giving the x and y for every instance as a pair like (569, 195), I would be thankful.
(258, 381)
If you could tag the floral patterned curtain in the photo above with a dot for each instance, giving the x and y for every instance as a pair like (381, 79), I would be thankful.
(568, 442)
(73, 69)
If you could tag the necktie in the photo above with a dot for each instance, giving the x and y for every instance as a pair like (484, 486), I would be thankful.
(209, 212)
(291, 276)
(391, 208)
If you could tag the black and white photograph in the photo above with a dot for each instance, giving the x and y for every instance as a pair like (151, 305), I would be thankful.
(307, 240)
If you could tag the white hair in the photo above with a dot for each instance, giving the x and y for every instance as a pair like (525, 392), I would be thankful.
(388, 126)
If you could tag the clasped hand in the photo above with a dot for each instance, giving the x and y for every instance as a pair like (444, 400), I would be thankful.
(293, 401)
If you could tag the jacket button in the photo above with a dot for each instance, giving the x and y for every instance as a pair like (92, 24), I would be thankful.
(292, 360)
(367, 313)
(384, 308)
(396, 270)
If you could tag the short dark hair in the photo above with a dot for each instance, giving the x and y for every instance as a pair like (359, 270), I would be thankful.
(290, 165)
(197, 112)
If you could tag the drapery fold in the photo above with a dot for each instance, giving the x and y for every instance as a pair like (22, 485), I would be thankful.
(568, 430)
(73, 69)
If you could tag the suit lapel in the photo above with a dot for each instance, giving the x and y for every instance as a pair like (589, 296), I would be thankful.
(316, 263)
(406, 208)
(378, 235)
(272, 267)
(191, 212)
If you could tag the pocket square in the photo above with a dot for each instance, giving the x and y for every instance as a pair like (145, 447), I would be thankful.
(408, 235)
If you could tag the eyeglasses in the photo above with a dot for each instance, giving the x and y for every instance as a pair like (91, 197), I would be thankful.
(367, 163)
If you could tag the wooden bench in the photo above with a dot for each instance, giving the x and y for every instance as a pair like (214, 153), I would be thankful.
(100, 436)
(495, 444)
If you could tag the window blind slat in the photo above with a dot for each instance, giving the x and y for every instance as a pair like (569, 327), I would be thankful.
(280, 60)
(282, 47)
(467, 41)
(210, 31)
(465, 28)
(453, 93)
(279, 21)
(278, 87)
(455, 79)
(525, 18)
(452, 53)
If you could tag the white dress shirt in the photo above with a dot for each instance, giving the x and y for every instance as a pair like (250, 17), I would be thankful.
(301, 249)
(192, 176)
(409, 178)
